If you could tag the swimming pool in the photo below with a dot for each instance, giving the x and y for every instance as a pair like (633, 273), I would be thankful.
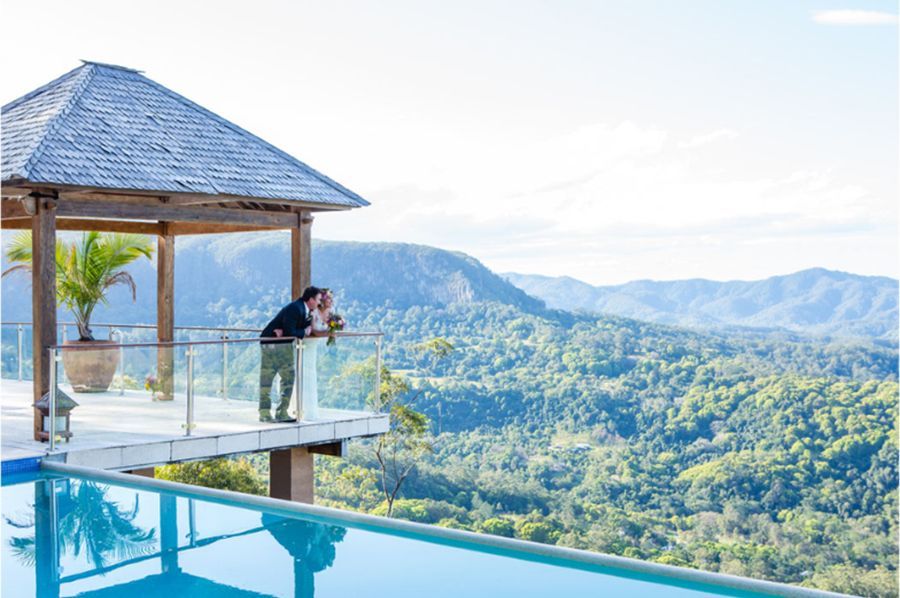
(77, 532)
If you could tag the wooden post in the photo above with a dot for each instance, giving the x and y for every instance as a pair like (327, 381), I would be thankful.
(291, 475)
(301, 254)
(146, 472)
(43, 296)
(165, 310)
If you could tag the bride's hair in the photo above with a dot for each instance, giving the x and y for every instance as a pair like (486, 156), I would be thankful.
(325, 293)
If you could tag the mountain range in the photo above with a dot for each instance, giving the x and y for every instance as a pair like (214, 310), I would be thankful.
(816, 302)
(239, 280)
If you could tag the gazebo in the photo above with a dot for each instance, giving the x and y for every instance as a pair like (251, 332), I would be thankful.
(105, 148)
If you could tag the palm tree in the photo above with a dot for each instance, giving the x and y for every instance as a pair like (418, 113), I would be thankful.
(86, 269)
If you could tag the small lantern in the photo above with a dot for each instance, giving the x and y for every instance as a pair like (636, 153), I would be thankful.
(64, 405)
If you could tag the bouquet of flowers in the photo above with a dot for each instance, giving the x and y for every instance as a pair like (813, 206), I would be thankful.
(151, 383)
(335, 324)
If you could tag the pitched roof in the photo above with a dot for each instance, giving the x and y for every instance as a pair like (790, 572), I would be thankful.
(109, 127)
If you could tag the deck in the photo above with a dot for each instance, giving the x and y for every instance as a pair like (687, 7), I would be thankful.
(131, 431)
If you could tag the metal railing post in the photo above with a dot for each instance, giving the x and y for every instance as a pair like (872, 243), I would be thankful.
(20, 332)
(298, 377)
(190, 390)
(377, 401)
(54, 356)
(225, 367)
(118, 333)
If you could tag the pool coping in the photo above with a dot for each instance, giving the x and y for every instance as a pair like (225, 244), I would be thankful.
(628, 565)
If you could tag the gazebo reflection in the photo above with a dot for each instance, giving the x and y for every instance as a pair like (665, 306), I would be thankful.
(79, 518)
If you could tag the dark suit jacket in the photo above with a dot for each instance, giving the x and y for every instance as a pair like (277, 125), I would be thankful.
(292, 319)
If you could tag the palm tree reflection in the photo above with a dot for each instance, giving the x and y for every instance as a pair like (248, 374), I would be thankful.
(86, 521)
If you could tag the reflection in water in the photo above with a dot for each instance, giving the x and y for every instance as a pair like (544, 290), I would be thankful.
(84, 520)
(80, 517)
(310, 544)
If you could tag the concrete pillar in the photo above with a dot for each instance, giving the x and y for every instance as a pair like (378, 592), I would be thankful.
(291, 475)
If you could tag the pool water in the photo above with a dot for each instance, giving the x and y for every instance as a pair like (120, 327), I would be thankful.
(72, 536)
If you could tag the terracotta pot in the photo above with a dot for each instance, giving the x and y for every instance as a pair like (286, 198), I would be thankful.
(90, 370)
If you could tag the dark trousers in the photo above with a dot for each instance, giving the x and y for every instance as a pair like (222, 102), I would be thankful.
(276, 358)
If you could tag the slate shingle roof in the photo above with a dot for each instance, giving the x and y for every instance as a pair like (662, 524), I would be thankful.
(109, 127)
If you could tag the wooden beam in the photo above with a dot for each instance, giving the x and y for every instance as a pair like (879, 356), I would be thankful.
(12, 208)
(43, 297)
(301, 254)
(21, 187)
(106, 226)
(206, 228)
(164, 212)
(196, 200)
(165, 309)
(140, 200)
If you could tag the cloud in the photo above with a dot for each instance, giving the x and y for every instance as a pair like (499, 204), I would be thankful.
(854, 17)
(708, 138)
(617, 201)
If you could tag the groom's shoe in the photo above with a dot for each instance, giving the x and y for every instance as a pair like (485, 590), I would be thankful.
(265, 416)
(282, 416)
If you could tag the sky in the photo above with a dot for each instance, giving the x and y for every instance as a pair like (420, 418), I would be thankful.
(607, 141)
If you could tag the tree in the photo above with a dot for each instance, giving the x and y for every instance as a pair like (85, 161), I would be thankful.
(86, 269)
(407, 439)
(237, 475)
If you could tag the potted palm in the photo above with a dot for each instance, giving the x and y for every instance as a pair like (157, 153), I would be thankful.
(85, 270)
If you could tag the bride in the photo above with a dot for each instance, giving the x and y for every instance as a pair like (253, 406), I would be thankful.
(322, 314)
(310, 392)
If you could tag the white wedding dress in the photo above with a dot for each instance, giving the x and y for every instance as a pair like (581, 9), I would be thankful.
(309, 403)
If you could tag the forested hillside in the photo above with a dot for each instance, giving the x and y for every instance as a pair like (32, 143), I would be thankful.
(748, 455)
(756, 454)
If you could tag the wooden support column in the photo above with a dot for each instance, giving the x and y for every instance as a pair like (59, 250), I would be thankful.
(165, 309)
(145, 472)
(43, 295)
(291, 475)
(301, 254)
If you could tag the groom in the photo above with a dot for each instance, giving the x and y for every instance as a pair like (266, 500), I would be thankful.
(293, 321)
